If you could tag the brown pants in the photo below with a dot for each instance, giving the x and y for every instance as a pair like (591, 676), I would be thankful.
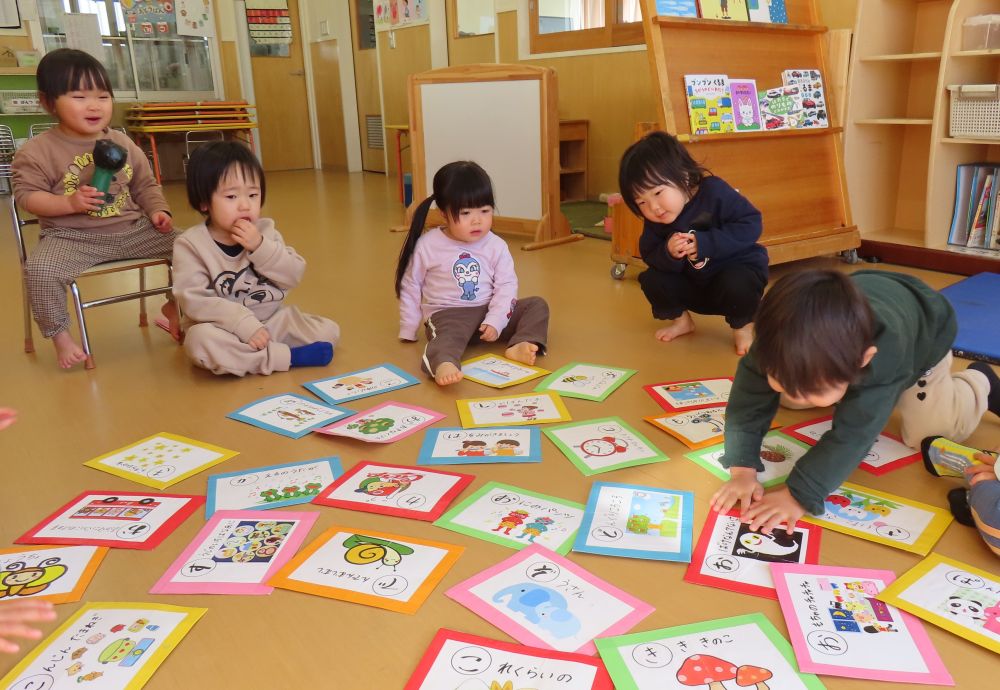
(221, 352)
(450, 331)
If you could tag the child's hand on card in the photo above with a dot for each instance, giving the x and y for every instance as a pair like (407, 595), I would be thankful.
(680, 244)
(162, 221)
(246, 234)
(86, 198)
(260, 339)
(742, 488)
(14, 615)
(488, 333)
(776, 507)
(984, 472)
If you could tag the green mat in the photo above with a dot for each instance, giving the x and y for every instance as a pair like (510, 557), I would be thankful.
(586, 218)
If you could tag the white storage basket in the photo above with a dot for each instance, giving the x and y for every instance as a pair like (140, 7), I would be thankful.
(975, 111)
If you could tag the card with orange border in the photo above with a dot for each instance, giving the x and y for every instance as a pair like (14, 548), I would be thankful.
(696, 429)
(59, 574)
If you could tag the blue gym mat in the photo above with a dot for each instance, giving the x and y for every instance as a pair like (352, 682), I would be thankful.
(977, 303)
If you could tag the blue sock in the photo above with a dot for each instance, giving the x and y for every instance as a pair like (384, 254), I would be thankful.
(312, 355)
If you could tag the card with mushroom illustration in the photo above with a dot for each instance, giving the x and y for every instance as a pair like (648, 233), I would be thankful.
(274, 486)
(724, 654)
(387, 571)
(838, 626)
(778, 452)
(886, 454)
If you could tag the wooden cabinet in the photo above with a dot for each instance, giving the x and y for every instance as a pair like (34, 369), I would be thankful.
(573, 160)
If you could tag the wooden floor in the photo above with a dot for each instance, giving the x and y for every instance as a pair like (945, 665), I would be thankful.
(143, 384)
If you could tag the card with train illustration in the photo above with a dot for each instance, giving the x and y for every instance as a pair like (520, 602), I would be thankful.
(778, 453)
(161, 460)
(603, 445)
(499, 372)
(385, 423)
(59, 574)
(513, 410)
(361, 384)
(730, 556)
(585, 381)
(274, 486)
(887, 454)
(695, 394)
(288, 414)
(458, 446)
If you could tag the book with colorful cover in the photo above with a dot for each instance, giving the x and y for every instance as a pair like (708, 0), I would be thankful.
(746, 107)
(676, 8)
(977, 230)
(777, 11)
(710, 105)
(758, 10)
(781, 107)
(724, 9)
(810, 84)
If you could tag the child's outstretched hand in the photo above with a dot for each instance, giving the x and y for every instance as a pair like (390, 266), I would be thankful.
(487, 333)
(260, 339)
(246, 234)
(742, 488)
(86, 198)
(14, 615)
(774, 508)
(680, 244)
(162, 221)
(984, 472)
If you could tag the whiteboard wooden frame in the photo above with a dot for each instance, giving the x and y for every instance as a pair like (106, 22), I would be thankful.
(551, 226)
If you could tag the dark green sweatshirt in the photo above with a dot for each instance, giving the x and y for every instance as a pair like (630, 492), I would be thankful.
(914, 329)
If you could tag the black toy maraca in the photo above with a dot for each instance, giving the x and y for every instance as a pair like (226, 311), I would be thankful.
(109, 158)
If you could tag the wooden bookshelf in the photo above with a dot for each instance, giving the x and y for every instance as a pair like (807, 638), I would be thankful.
(573, 139)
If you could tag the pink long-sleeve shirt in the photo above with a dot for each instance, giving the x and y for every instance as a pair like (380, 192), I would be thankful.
(444, 273)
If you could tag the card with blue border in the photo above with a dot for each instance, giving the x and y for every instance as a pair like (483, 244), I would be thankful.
(274, 486)
(458, 446)
(637, 522)
(289, 414)
(361, 384)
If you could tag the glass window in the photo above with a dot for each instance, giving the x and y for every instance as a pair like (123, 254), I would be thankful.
(559, 25)
(475, 17)
(569, 15)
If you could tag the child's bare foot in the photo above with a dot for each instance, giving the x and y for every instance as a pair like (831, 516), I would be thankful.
(682, 325)
(743, 338)
(523, 352)
(169, 311)
(447, 374)
(68, 352)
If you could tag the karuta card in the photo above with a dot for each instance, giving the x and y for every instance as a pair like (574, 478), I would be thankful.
(540, 598)
(387, 571)
(887, 454)
(274, 486)
(690, 395)
(105, 645)
(516, 518)
(360, 384)
(499, 372)
(743, 651)
(513, 410)
(288, 414)
(468, 662)
(883, 518)
(958, 597)
(694, 428)
(839, 628)
(399, 490)
(384, 423)
(637, 522)
(236, 552)
(124, 520)
(585, 381)
(458, 446)
(161, 460)
(730, 556)
(603, 445)
(59, 574)
(778, 453)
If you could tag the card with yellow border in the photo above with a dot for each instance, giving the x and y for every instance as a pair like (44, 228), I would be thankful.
(513, 410)
(161, 460)
(387, 571)
(499, 372)
(119, 645)
(59, 574)
(958, 597)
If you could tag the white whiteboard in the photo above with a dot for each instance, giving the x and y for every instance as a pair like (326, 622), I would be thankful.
(498, 125)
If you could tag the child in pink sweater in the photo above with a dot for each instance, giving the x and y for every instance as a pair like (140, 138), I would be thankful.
(459, 279)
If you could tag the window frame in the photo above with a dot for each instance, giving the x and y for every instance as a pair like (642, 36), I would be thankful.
(612, 35)
(451, 14)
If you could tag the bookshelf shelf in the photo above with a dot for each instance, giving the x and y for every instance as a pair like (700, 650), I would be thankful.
(749, 136)
(975, 53)
(903, 57)
(12, 71)
(960, 140)
(896, 121)
(692, 24)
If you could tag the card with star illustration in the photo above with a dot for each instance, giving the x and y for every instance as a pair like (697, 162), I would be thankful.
(161, 460)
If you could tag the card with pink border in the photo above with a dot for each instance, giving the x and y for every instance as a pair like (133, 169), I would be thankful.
(540, 598)
(888, 453)
(235, 552)
(839, 628)
(383, 423)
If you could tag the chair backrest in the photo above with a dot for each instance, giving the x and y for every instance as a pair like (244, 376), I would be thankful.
(6, 152)
(38, 127)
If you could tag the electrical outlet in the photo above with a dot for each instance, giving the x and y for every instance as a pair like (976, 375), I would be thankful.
(324, 27)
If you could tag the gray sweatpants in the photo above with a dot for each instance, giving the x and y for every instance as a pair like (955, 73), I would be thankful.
(450, 331)
(221, 352)
(63, 254)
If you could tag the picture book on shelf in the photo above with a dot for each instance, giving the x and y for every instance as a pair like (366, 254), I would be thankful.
(746, 107)
(724, 9)
(964, 178)
(710, 105)
(758, 10)
(777, 11)
(677, 8)
(813, 96)
(983, 213)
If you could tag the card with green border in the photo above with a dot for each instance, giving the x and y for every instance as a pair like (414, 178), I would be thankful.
(603, 445)
(585, 381)
(778, 452)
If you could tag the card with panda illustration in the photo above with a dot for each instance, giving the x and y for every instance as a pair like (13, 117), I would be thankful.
(958, 597)
(499, 372)
(59, 574)
(400, 490)
(778, 452)
(887, 454)
(838, 626)
(603, 445)
(730, 556)
(695, 394)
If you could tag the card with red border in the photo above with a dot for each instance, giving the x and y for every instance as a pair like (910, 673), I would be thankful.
(693, 394)
(887, 454)
(730, 556)
(400, 490)
(456, 660)
(119, 519)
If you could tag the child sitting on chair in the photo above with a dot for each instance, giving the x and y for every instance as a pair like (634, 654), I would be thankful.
(82, 226)
(233, 272)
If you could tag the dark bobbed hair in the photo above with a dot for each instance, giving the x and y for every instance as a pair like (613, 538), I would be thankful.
(457, 185)
(209, 164)
(658, 158)
(812, 330)
(67, 69)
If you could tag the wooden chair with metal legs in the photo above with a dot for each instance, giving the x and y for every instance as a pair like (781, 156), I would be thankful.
(18, 223)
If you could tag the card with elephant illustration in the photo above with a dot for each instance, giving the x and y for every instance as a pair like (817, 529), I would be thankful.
(886, 454)
(543, 599)
(778, 453)
(387, 571)
(59, 574)
(383, 423)
(274, 486)
(288, 414)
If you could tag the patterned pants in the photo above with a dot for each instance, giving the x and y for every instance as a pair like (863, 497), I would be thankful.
(63, 254)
